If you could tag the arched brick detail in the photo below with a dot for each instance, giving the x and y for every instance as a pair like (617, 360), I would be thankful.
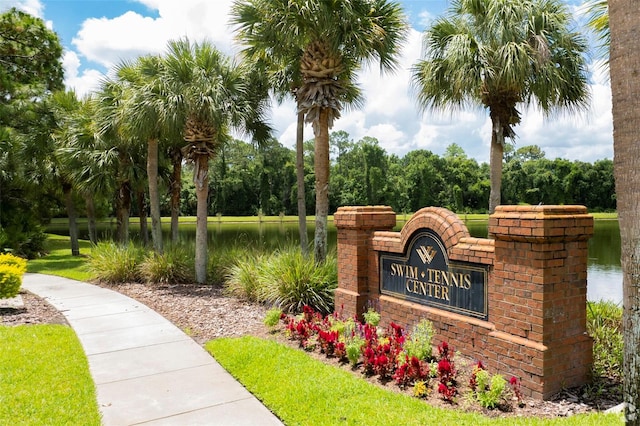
(444, 222)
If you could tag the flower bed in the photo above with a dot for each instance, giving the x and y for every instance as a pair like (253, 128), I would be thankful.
(407, 359)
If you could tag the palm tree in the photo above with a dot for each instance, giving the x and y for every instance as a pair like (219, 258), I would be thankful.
(324, 43)
(625, 89)
(75, 152)
(207, 96)
(66, 108)
(143, 113)
(498, 54)
(117, 153)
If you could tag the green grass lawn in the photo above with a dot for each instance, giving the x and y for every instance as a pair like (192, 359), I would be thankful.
(60, 262)
(44, 378)
(304, 391)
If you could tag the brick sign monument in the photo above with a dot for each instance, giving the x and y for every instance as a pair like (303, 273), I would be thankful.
(517, 301)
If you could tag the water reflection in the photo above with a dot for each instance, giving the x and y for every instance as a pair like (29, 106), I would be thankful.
(604, 283)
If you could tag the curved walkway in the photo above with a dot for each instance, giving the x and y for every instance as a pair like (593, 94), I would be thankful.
(146, 370)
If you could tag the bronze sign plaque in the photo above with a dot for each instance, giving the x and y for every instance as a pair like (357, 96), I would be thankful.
(425, 275)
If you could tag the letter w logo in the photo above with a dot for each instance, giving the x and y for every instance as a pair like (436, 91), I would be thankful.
(426, 253)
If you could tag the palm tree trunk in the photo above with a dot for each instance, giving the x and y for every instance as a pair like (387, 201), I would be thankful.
(91, 217)
(142, 214)
(122, 213)
(176, 188)
(322, 185)
(302, 209)
(495, 164)
(201, 180)
(73, 224)
(154, 195)
(625, 89)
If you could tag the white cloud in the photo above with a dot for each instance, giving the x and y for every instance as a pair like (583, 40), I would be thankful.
(32, 7)
(586, 136)
(83, 84)
(108, 41)
(425, 19)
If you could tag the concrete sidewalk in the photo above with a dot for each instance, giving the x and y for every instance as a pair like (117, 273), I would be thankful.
(145, 369)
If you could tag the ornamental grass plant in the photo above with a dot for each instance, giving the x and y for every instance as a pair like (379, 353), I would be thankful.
(112, 263)
(242, 278)
(290, 281)
(175, 265)
(285, 279)
(604, 325)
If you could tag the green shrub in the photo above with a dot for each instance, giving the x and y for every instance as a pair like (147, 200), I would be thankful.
(18, 262)
(29, 245)
(604, 325)
(353, 341)
(33, 245)
(290, 280)
(113, 263)
(419, 342)
(371, 317)
(489, 389)
(272, 317)
(354, 350)
(10, 281)
(12, 268)
(174, 266)
(4, 239)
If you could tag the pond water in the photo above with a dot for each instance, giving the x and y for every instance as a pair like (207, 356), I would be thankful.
(604, 275)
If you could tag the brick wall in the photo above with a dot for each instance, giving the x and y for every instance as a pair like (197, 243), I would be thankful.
(537, 259)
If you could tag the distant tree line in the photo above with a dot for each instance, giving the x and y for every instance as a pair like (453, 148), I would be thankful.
(251, 180)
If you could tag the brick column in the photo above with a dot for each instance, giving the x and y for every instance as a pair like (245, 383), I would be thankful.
(355, 226)
(539, 293)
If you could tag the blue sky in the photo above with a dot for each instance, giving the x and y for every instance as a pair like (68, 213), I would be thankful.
(97, 34)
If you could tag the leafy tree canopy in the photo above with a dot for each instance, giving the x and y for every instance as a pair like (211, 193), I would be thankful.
(29, 55)
(30, 69)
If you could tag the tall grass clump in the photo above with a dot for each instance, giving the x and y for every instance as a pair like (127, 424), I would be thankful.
(174, 266)
(113, 263)
(285, 279)
(223, 259)
(290, 281)
(242, 278)
(604, 325)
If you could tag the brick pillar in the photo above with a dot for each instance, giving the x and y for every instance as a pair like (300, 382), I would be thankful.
(539, 292)
(355, 226)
